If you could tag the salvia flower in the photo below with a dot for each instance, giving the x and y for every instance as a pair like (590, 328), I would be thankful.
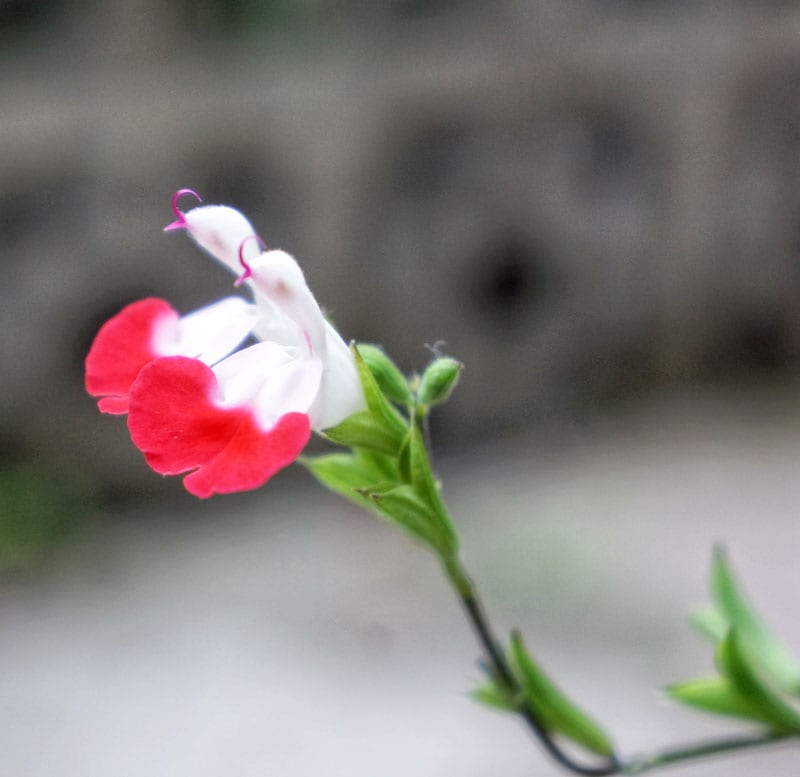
(228, 419)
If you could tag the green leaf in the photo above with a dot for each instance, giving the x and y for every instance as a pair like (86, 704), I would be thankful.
(377, 405)
(386, 373)
(490, 695)
(348, 474)
(782, 668)
(736, 664)
(403, 507)
(716, 695)
(556, 711)
(363, 430)
(426, 486)
(709, 622)
(385, 466)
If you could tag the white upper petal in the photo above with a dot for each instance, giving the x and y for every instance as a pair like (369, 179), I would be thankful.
(303, 365)
(270, 380)
(278, 280)
(275, 326)
(208, 334)
(220, 230)
(340, 393)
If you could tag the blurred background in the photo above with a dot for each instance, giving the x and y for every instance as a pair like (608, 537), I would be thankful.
(594, 205)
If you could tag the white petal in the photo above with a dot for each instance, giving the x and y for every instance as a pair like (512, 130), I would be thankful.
(292, 389)
(340, 394)
(242, 374)
(208, 334)
(277, 327)
(270, 380)
(278, 279)
(220, 230)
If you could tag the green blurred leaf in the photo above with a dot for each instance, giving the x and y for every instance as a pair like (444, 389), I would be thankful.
(709, 622)
(716, 695)
(737, 665)
(403, 507)
(782, 668)
(428, 489)
(557, 712)
(490, 695)
(363, 430)
(348, 474)
(377, 404)
(386, 373)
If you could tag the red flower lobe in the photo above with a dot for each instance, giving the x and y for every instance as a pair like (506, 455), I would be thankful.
(174, 421)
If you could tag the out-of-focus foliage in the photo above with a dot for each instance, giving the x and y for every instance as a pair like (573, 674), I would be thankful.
(243, 17)
(40, 507)
(757, 674)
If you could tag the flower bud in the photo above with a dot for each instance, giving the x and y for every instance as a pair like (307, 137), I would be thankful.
(386, 373)
(438, 381)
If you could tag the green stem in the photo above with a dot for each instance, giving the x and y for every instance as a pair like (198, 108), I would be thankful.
(495, 655)
(645, 763)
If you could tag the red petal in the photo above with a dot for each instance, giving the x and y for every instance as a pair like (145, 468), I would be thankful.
(122, 347)
(174, 422)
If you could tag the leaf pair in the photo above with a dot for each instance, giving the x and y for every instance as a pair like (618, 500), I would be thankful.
(556, 713)
(757, 675)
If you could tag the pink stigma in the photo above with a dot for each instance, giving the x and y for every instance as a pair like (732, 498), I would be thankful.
(247, 271)
(180, 222)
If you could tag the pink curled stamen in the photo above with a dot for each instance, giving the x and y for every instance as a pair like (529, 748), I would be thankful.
(180, 221)
(247, 271)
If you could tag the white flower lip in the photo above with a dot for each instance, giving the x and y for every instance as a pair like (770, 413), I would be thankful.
(208, 334)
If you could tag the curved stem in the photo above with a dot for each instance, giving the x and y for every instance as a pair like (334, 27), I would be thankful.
(496, 657)
(640, 764)
(636, 765)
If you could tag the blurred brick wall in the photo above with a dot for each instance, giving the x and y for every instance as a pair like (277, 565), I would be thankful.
(584, 200)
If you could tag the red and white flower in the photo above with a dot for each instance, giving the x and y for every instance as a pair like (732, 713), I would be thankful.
(229, 422)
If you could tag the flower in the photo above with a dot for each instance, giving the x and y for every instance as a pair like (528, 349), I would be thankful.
(149, 328)
(227, 421)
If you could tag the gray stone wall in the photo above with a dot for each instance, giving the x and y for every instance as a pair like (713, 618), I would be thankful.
(585, 201)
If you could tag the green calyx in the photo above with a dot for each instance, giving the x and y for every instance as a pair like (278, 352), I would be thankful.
(387, 469)
(438, 381)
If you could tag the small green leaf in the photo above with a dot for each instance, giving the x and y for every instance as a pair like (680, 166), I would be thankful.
(363, 430)
(385, 466)
(403, 507)
(426, 486)
(736, 664)
(716, 695)
(348, 474)
(377, 405)
(386, 373)
(775, 659)
(709, 622)
(557, 713)
(490, 695)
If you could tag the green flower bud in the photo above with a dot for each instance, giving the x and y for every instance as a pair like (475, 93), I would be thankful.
(438, 381)
(386, 373)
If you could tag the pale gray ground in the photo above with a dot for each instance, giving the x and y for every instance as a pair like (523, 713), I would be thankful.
(299, 637)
